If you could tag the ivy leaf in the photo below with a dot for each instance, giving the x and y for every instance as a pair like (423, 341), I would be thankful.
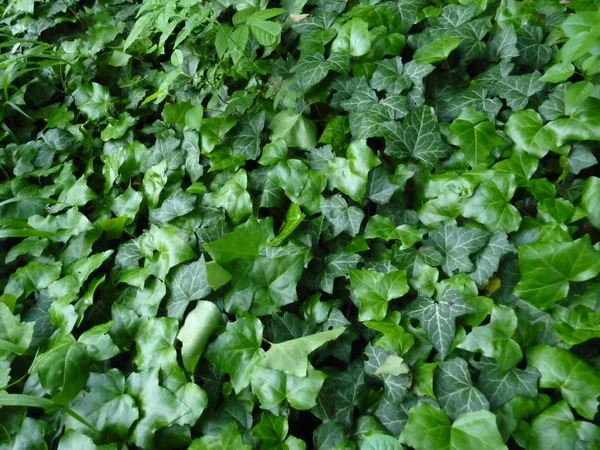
(228, 437)
(340, 395)
(389, 76)
(494, 340)
(353, 37)
(578, 382)
(455, 391)
(237, 351)
(503, 46)
(556, 427)
(311, 69)
(475, 135)
(438, 318)
(582, 125)
(515, 89)
(527, 131)
(194, 334)
(456, 244)
(487, 261)
(501, 387)
(382, 227)
(187, 283)
(438, 50)
(374, 290)
(337, 265)
(234, 198)
(490, 204)
(429, 427)
(417, 136)
(341, 216)
(155, 343)
(290, 357)
(294, 129)
(350, 174)
(63, 369)
(548, 267)
(93, 100)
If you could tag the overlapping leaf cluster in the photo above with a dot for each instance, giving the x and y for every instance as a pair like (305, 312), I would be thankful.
(323, 224)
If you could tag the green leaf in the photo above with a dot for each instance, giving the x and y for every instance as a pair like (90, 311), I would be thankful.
(350, 174)
(382, 227)
(490, 204)
(228, 437)
(455, 391)
(417, 136)
(93, 100)
(234, 198)
(199, 324)
(291, 357)
(380, 442)
(556, 428)
(475, 135)
(438, 50)
(501, 387)
(428, 427)
(353, 37)
(237, 351)
(374, 290)
(295, 129)
(590, 200)
(548, 267)
(187, 283)
(438, 319)
(527, 131)
(293, 218)
(266, 33)
(388, 76)
(155, 343)
(311, 69)
(582, 125)
(343, 217)
(578, 382)
(63, 369)
(456, 244)
(494, 340)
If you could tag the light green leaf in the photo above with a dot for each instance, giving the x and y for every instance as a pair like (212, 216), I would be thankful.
(527, 131)
(438, 50)
(556, 428)
(590, 200)
(199, 324)
(353, 37)
(234, 198)
(350, 175)
(578, 382)
(428, 427)
(93, 100)
(494, 340)
(228, 437)
(237, 351)
(63, 369)
(374, 290)
(295, 129)
(475, 135)
(490, 204)
(291, 357)
(548, 267)
(438, 319)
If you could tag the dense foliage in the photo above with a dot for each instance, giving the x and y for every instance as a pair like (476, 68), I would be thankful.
(323, 224)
